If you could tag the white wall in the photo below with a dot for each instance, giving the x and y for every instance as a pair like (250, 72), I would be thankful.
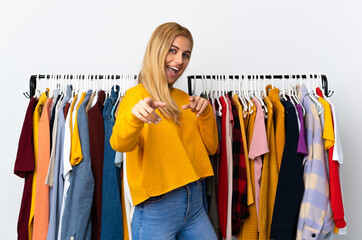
(270, 37)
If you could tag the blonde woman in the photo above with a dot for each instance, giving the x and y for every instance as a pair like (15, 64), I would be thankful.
(167, 136)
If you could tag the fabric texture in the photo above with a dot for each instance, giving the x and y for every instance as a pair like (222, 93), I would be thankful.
(290, 184)
(76, 220)
(112, 224)
(315, 217)
(96, 145)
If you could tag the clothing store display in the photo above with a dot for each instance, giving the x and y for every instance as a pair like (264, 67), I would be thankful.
(255, 165)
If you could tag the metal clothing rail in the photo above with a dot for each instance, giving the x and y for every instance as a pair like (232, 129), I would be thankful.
(34, 78)
(327, 92)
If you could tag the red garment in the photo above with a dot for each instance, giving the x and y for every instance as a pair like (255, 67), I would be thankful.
(335, 185)
(66, 109)
(240, 209)
(24, 168)
(222, 193)
(96, 143)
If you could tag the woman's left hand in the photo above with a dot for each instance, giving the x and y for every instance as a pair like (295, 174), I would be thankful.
(197, 105)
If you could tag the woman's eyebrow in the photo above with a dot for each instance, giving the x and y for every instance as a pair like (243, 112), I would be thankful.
(188, 51)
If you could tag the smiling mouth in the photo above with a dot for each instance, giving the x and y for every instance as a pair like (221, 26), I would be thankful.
(172, 71)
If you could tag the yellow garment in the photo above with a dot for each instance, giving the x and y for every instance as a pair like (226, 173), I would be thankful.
(250, 195)
(76, 155)
(165, 156)
(328, 132)
(269, 180)
(279, 115)
(36, 117)
(249, 230)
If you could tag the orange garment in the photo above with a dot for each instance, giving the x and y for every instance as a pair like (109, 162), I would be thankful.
(269, 180)
(279, 124)
(76, 155)
(41, 205)
(36, 116)
(249, 230)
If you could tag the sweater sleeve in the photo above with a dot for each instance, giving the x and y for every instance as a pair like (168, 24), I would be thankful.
(208, 130)
(127, 128)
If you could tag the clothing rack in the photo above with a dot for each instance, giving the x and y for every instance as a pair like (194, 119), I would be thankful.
(34, 78)
(327, 92)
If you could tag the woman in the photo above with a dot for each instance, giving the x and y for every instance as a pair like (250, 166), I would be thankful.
(168, 136)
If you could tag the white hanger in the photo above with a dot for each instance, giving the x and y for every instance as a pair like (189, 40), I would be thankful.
(314, 99)
(248, 96)
(283, 89)
(218, 96)
(241, 97)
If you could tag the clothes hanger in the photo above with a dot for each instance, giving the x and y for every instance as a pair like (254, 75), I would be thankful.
(248, 96)
(219, 95)
(241, 97)
(312, 96)
(283, 89)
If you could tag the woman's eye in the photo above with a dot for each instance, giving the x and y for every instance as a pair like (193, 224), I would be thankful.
(172, 50)
(186, 56)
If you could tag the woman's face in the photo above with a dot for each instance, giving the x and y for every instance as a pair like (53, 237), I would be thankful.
(177, 58)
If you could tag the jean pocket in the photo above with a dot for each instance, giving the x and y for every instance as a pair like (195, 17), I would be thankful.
(156, 199)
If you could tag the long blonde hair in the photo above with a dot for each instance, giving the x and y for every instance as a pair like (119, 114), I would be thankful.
(152, 74)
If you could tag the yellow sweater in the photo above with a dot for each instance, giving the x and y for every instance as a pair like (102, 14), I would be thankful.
(162, 157)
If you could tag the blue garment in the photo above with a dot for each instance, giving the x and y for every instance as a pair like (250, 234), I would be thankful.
(178, 214)
(76, 221)
(111, 223)
(56, 192)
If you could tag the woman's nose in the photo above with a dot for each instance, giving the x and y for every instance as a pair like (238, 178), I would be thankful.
(178, 58)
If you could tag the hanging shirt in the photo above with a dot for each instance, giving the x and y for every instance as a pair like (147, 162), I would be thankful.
(41, 205)
(279, 124)
(36, 116)
(24, 168)
(312, 216)
(76, 155)
(249, 230)
(335, 187)
(239, 207)
(258, 147)
(96, 145)
(269, 180)
(53, 138)
(223, 172)
(76, 221)
(302, 146)
(112, 225)
(229, 129)
(290, 183)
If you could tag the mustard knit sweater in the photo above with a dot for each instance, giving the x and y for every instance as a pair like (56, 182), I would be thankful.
(162, 157)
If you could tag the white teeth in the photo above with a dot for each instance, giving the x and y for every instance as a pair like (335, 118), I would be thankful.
(175, 68)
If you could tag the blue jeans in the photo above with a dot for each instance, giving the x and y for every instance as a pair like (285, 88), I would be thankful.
(178, 214)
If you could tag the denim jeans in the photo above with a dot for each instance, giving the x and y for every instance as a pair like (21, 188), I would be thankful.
(178, 214)
(111, 223)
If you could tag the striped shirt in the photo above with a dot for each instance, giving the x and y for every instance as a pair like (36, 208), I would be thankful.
(315, 216)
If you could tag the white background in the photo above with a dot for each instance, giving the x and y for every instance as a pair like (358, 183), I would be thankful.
(231, 37)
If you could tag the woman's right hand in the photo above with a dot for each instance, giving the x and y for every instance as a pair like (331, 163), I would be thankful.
(144, 110)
